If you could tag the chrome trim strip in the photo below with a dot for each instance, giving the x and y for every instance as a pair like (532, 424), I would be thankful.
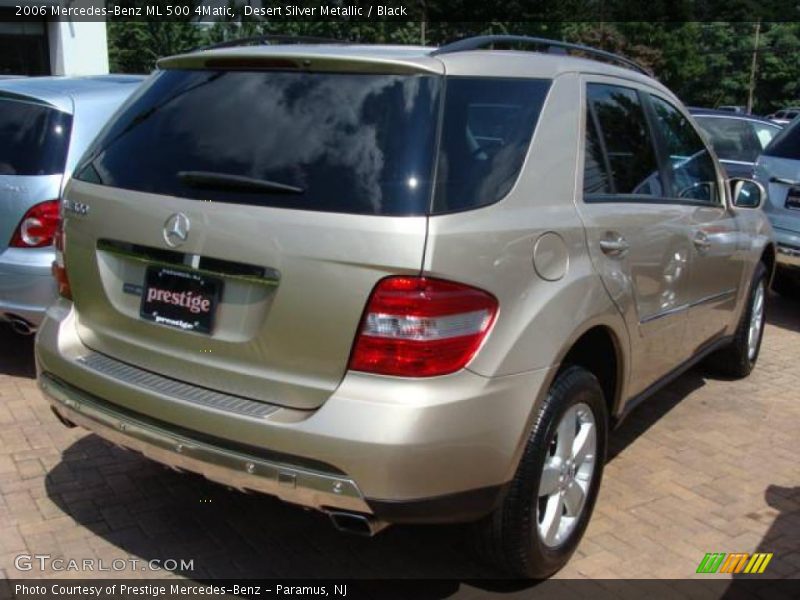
(714, 297)
(683, 307)
(289, 483)
(790, 182)
(158, 384)
(666, 313)
(271, 277)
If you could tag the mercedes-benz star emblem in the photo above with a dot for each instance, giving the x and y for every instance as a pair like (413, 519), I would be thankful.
(176, 229)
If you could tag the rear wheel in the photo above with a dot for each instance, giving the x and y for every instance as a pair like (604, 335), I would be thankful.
(545, 512)
(738, 359)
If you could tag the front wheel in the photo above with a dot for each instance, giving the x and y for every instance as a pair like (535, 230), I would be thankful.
(534, 532)
(738, 359)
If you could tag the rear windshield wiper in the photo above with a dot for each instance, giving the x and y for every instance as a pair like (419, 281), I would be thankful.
(211, 180)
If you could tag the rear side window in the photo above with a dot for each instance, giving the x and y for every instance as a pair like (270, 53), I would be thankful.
(694, 176)
(487, 129)
(347, 143)
(786, 144)
(620, 156)
(34, 138)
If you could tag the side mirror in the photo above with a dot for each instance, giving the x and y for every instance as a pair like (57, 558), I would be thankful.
(747, 193)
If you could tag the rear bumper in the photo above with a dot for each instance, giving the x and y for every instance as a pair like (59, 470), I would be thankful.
(788, 256)
(242, 471)
(788, 247)
(27, 286)
(400, 450)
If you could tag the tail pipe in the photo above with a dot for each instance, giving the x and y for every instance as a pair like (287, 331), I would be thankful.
(64, 421)
(20, 325)
(356, 523)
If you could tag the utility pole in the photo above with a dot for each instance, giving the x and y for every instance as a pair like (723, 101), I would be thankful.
(752, 85)
(423, 25)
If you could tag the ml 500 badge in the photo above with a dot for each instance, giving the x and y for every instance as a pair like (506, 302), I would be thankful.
(76, 208)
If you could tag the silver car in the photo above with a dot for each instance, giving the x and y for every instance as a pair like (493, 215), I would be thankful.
(46, 123)
(778, 168)
(400, 284)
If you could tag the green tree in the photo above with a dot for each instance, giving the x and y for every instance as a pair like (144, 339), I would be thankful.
(135, 46)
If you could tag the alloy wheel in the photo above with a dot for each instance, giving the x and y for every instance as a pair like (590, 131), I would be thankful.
(756, 322)
(566, 475)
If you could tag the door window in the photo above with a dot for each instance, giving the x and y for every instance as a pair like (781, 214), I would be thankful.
(694, 176)
(620, 156)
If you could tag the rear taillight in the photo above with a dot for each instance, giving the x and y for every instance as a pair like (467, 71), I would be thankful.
(59, 267)
(38, 227)
(421, 327)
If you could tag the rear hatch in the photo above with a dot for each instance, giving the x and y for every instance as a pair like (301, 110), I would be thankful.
(227, 229)
(34, 138)
(779, 169)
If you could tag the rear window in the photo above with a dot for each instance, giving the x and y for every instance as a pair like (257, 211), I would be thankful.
(350, 143)
(787, 143)
(34, 138)
(334, 142)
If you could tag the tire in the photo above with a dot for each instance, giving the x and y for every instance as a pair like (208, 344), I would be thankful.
(511, 537)
(738, 359)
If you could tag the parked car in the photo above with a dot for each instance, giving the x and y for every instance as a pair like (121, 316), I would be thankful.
(305, 270)
(733, 108)
(778, 168)
(785, 116)
(46, 123)
(738, 140)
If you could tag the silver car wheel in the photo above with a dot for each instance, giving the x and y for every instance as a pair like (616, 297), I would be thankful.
(756, 321)
(566, 476)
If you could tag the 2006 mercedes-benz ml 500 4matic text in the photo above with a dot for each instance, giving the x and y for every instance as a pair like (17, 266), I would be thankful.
(399, 284)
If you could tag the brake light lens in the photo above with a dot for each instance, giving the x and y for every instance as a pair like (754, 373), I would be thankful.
(38, 227)
(421, 327)
(59, 268)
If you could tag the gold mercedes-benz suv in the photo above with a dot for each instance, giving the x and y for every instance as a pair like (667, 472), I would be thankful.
(400, 284)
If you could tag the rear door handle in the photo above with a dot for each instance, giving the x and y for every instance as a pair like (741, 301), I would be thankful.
(701, 241)
(616, 246)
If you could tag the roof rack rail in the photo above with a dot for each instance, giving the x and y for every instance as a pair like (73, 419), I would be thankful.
(482, 41)
(270, 39)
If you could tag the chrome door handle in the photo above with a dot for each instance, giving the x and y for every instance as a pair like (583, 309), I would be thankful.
(617, 246)
(783, 181)
(701, 241)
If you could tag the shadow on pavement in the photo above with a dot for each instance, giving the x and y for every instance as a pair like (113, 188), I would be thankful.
(780, 540)
(648, 413)
(16, 354)
(784, 312)
(151, 512)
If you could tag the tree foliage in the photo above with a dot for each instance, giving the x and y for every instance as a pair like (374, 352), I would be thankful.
(705, 63)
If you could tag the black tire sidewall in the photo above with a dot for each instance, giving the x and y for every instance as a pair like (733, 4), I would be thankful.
(759, 277)
(574, 385)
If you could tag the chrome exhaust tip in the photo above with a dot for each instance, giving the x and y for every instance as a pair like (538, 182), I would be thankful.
(20, 325)
(64, 421)
(356, 523)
